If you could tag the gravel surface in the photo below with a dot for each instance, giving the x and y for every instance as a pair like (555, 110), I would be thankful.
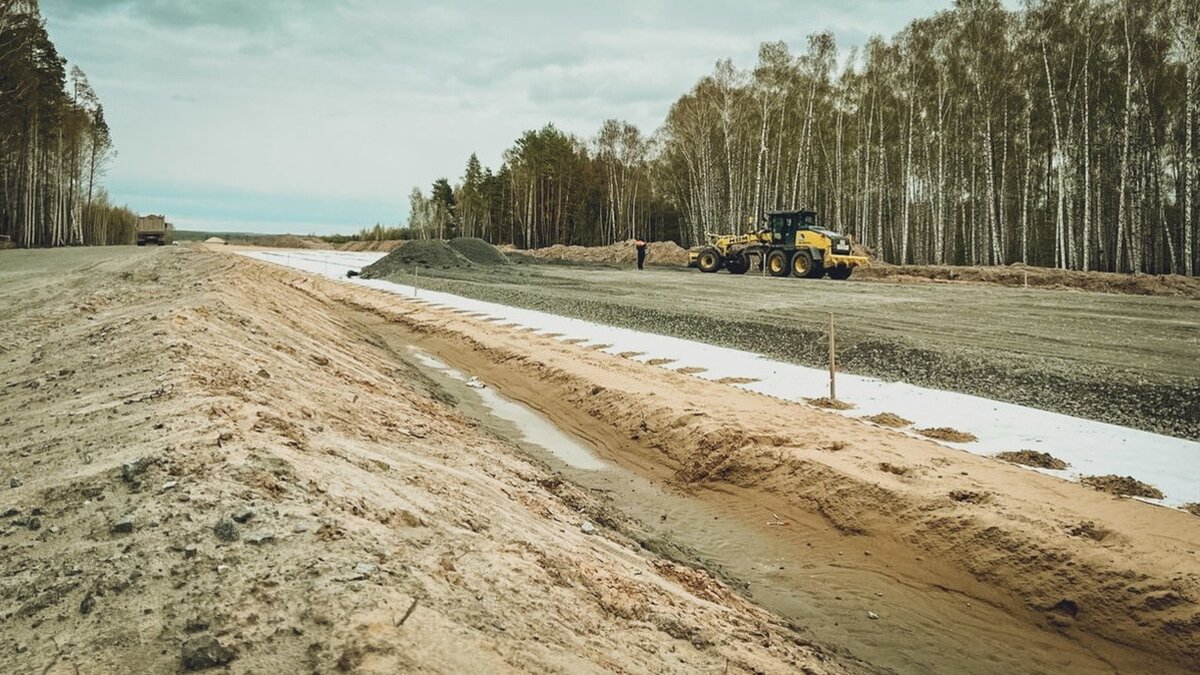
(1121, 359)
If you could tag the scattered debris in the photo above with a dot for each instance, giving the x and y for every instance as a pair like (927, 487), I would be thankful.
(829, 403)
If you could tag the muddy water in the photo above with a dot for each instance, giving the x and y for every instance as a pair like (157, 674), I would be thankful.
(826, 585)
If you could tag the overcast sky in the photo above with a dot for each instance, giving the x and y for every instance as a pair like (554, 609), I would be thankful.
(320, 116)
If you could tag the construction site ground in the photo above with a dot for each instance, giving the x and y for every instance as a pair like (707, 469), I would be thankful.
(214, 461)
(1125, 359)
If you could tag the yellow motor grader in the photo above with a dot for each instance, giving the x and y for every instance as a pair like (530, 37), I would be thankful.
(791, 243)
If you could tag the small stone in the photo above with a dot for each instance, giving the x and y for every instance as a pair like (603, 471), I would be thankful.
(14, 482)
(54, 529)
(262, 372)
(88, 604)
(190, 551)
(170, 485)
(364, 570)
(22, 648)
(587, 528)
(10, 512)
(301, 528)
(124, 525)
(259, 538)
(872, 616)
(205, 651)
(244, 515)
(35, 524)
(226, 530)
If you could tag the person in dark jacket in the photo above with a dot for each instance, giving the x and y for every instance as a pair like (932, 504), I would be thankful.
(641, 252)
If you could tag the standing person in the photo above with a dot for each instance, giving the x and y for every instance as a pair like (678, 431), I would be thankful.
(641, 251)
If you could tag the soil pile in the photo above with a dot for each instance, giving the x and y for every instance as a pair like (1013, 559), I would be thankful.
(657, 253)
(479, 252)
(215, 240)
(384, 245)
(888, 419)
(418, 253)
(1039, 277)
(1041, 460)
(947, 434)
(1127, 486)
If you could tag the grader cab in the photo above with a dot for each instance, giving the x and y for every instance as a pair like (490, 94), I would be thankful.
(790, 242)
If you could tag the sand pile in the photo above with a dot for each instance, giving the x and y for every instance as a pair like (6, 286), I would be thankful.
(372, 245)
(215, 240)
(657, 253)
(1041, 460)
(479, 251)
(1122, 485)
(887, 419)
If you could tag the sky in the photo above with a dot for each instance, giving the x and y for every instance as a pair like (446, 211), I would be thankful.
(319, 116)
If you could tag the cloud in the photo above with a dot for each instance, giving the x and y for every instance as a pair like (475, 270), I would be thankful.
(352, 103)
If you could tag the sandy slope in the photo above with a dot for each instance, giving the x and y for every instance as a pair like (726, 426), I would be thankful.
(1119, 577)
(150, 398)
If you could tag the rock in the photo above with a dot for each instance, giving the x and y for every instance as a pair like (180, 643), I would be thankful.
(226, 530)
(587, 528)
(88, 604)
(14, 482)
(301, 528)
(244, 515)
(259, 538)
(124, 525)
(872, 616)
(204, 651)
(131, 470)
(170, 485)
(364, 570)
(35, 524)
(10, 512)
(190, 551)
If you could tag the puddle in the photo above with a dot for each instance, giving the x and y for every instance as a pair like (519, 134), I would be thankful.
(532, 427)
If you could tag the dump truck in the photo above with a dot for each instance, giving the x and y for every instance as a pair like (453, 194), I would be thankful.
(790, 242)
(153, 230)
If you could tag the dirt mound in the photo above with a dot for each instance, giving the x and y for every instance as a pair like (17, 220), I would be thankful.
(1039, 277)
(215, 240)
(372, 245)
(420, 253)
(829, 403)
(1193, 509)
(947, 434)
(1126, 486)
(888, 419)
(1041, 460)
(479, 251)
(657, 253)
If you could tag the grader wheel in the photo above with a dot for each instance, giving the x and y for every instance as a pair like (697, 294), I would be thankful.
(777, 264)
(709, 260)
(804, 267)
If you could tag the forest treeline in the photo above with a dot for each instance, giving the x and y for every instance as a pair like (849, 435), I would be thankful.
(1062, 134)
(54, 143)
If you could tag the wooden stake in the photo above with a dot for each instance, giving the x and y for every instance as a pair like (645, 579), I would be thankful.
(414, 281)
(832, 363)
